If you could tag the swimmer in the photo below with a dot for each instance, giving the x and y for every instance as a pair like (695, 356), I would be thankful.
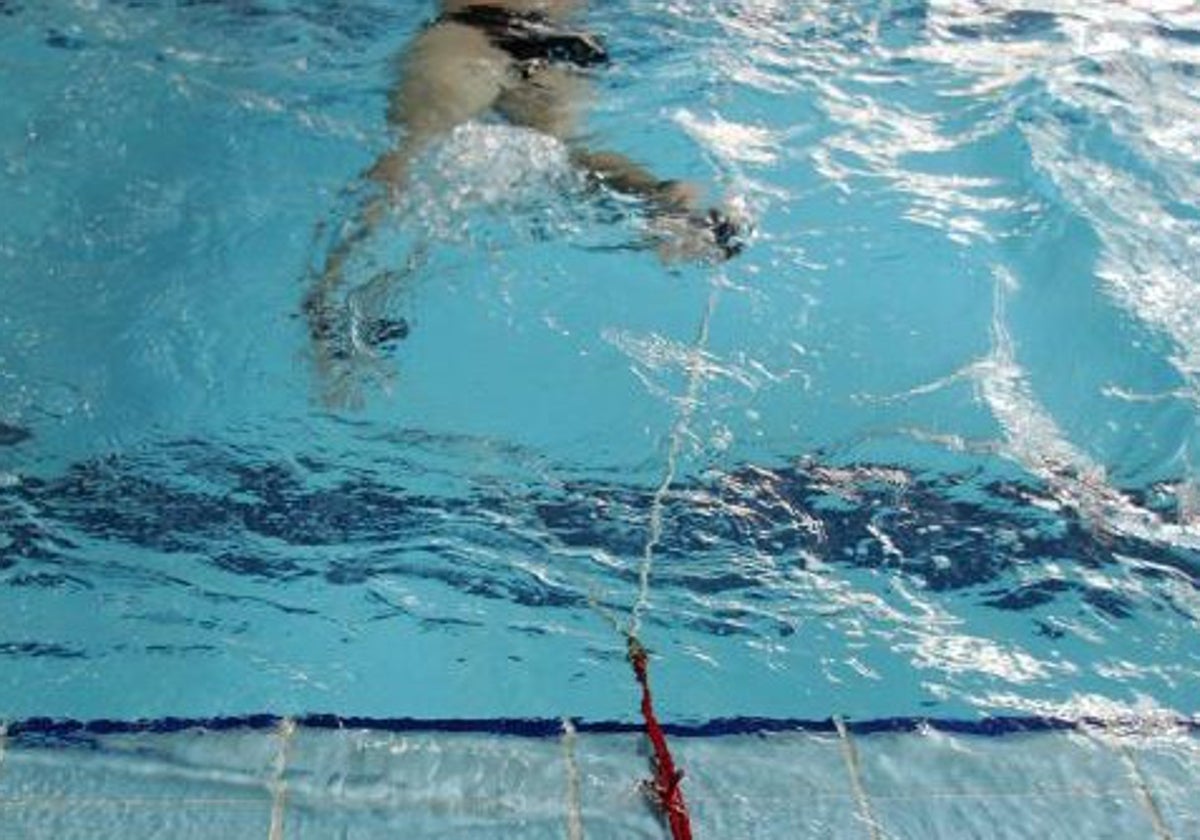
(523, 60)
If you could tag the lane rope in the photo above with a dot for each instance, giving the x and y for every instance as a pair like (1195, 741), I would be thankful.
(574, 782)
(285, 732)
(1145, 794)
(665, 784)
(695, 368)
(866, 813)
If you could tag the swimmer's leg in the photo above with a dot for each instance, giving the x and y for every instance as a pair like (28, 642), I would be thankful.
(549, 100)
(689, 230)
(448, 75)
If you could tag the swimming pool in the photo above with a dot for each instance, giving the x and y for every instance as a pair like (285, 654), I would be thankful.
(927, 448)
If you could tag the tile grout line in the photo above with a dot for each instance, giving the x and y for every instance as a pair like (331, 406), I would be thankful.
(850, 755)
(278, 785)
(1161, 831)
(69, 801)
(574, 802)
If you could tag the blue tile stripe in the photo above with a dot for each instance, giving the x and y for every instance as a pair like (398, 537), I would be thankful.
(43, 730)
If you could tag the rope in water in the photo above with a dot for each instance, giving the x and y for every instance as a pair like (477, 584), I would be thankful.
(695, 368)
(574, 783)
(666, 782)
(665, 785)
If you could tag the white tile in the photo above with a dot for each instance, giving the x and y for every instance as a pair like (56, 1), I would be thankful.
(424, 821)
(359, 785)
(613, 802)
(378, 768)
(365, 784)
(190, 785)
(770, 786)
(145, 766)
(1054, 786)
(1170, 766)
(936, 762)
(78, 818)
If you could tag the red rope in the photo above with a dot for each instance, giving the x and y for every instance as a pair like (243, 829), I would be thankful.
(666, 777)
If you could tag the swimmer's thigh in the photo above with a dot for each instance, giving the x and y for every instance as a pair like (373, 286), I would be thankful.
(548, 100)
(449, 74)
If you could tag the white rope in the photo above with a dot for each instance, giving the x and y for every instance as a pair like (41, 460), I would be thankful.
(695, 369)
(574, 797)
(850, 755)
(285, 733)
(1161, 832)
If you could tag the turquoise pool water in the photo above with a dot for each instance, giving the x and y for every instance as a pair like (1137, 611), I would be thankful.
(928, 447)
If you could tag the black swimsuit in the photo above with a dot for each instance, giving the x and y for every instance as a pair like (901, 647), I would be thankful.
(531, 38)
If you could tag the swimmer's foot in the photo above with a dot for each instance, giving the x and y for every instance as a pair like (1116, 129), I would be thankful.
(339, 334)
(726, 233)
(321, 318)
(712, 236)
(349, 351)
(383, 333)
